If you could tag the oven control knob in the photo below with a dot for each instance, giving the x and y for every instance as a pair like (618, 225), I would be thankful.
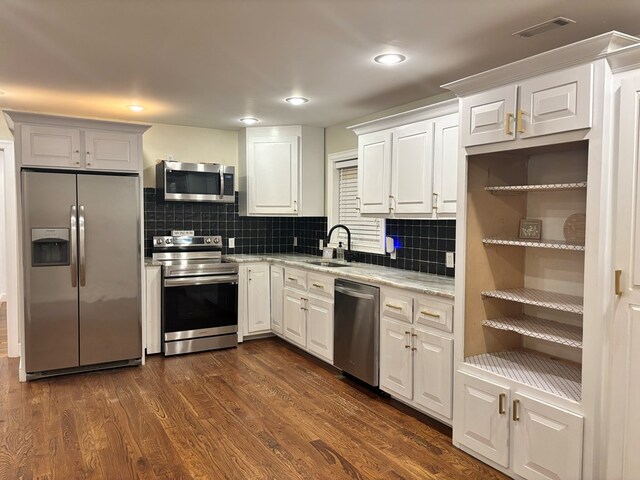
(167, 241)
(216, 240)
(159, 241)
(207, 240)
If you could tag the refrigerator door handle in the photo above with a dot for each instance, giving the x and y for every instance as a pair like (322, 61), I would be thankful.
(74, 248)
(83, 267)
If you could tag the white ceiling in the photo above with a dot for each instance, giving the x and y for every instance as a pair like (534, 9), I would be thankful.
(209, 62)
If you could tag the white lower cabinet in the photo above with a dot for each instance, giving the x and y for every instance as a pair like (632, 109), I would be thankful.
(254, 299)
(416, 359)
(396, 372)
(277, 292)
(295, 318)
(320, 328)
(152, 308)
(541, 441)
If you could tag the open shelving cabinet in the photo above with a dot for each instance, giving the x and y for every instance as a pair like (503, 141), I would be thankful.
(524, 298)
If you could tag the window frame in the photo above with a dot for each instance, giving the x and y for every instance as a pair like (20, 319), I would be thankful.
(337, 160)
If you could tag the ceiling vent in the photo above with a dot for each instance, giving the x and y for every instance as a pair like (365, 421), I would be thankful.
(544, 27)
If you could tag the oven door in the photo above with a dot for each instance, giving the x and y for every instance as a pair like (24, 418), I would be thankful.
(194, 307)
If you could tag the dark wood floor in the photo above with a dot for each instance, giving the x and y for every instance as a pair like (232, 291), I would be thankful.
(259, 411)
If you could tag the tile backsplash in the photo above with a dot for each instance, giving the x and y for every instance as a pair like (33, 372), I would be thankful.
(421, 244)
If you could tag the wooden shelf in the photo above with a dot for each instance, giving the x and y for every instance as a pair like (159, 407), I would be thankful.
(539, 298)
(515, 189)
(518, 242)
(539, 328)
(547, 374)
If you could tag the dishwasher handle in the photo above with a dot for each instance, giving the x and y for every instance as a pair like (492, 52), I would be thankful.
(354, 293)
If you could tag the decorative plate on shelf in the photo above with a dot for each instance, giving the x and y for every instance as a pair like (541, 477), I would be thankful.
(574, 228)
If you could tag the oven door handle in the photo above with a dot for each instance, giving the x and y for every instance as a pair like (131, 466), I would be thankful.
(209, 280)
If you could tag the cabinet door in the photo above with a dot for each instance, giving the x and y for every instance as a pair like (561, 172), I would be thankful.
(277, 287)
(556, 102)
(258, 304)
(445, 163)
(320, 328)
(433, 372)
(51, 146)
(412, 169)
(153, 286)
(374, 172)
(111, 150)
(546, 441)
(485, 421)
(272, 175)
(396, 372)
(488, 117)
(295, 319)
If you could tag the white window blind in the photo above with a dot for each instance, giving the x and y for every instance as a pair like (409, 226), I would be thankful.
(366, 233)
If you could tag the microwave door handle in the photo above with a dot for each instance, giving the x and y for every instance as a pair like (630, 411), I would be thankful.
(221, 182)
(82, 249)
(74, 247)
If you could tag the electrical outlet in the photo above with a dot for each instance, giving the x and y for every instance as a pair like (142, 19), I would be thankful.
(321, 244)
(232, 243)
(295, 241)
(450, 259)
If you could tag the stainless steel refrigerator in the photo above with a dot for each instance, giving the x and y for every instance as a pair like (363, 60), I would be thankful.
(81, 254)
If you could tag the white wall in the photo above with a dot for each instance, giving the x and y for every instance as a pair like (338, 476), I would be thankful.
(3, 234)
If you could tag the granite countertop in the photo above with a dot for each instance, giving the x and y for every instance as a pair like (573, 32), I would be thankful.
(419, 282)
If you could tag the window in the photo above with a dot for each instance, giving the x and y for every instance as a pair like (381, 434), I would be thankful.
(367, 234)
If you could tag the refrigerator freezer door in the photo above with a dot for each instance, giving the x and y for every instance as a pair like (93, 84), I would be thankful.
(51, 300)
(109, 268)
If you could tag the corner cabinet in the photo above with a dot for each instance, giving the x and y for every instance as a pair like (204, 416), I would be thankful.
(279, 169)
(48, 142)
(531, 313)
(407, 164)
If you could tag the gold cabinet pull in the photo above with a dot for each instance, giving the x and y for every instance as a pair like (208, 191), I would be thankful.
(395, 307)
(317, 285)
(618, 288)
(407, 332)
(292, 279)
(501, 403)
(516, 410)
(519, 126)
(507, 124)
(429, 314)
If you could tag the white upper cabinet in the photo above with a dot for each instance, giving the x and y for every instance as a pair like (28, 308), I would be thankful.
(106, 150)
(551, 103)
(374, 173)
(49, 141)
(412, 175)
(279, 168)
(44, 146)
(407, 163)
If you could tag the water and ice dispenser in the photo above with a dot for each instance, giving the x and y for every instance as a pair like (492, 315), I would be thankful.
(50, 247)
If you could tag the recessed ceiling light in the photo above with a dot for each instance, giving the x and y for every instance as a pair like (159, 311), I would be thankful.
(135, 108)
(390, 58)
(296, 100)
(249, 120)
(543, 27)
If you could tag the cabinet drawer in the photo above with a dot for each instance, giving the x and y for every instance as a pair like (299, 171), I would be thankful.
(434, 313)
(295, 279)
(397, 305)
(321, 285)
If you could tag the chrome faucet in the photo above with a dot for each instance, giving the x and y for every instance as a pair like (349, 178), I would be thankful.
(339, 225)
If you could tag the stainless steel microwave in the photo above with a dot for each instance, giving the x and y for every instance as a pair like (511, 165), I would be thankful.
(195, 182)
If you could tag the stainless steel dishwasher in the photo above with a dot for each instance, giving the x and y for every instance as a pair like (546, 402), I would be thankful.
(356, 330)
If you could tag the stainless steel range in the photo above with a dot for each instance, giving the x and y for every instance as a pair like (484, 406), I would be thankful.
(199, 294)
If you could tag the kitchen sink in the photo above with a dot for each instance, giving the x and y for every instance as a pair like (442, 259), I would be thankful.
(328, 263)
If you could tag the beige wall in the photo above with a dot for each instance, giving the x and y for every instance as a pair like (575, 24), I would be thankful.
(186, 144)
(338, 138)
